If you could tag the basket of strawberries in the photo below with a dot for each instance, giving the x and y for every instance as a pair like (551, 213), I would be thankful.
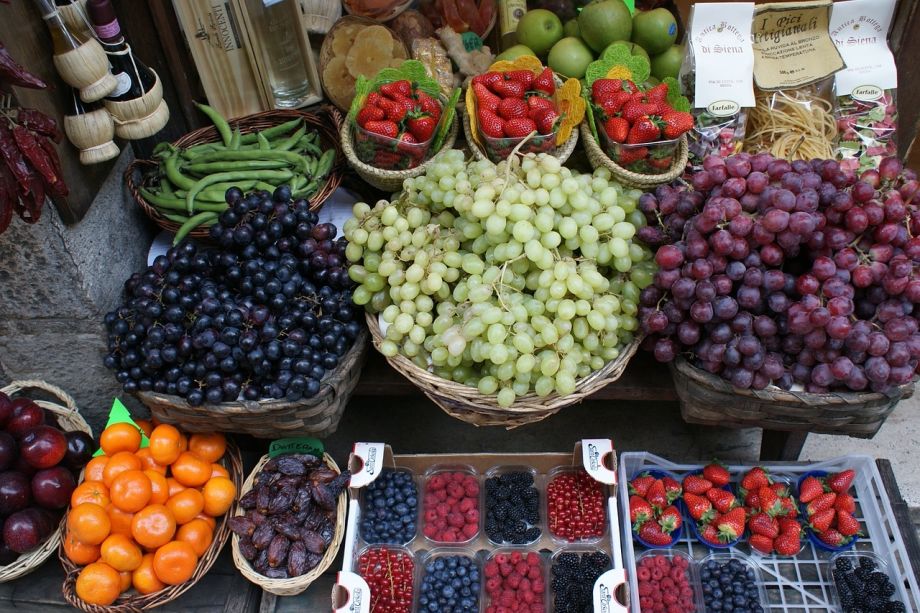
(635, 129)
(522, 106)
(396, 124)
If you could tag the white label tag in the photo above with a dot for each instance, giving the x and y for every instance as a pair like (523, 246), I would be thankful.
(369, 459)
(720, 34)
(351, 594)
(124, 84)
(605, 591)
(859, 29)
(594, 454)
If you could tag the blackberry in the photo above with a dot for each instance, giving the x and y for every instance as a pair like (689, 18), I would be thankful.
(887, 590)
(895, 607)
(512, 503)
(875, 603)
(531, 535)
(867, 563)
(503, 492)
(847, 600)
(878, 578)
(844, 564)
(573, 580)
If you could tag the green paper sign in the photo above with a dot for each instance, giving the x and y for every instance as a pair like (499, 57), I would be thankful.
(304, 444)
(631, 5)
(119, 414)
(471, 42)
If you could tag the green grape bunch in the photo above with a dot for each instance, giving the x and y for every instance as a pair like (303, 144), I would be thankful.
(518, 278)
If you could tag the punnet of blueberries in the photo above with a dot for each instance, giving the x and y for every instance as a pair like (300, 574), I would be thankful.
(863, 587)
(263, 315)
(574, 575)
(390, 515)
(450, 585)
(512, 508)
(730, 586)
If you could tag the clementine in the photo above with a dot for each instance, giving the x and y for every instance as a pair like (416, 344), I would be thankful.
(98, 584)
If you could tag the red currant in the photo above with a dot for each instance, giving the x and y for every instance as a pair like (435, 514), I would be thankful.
(388, 574)
(576, 506)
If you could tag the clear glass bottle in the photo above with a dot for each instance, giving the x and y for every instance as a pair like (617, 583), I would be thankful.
(277, 26)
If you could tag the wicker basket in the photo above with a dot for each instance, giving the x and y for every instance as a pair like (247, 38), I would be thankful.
(598, 159)
(134, 602)
(69, 419)
(317, 416)
(326, 52)
(325, 121)
(293, 585)
(387, 180)
(710, 400)
(467, 404)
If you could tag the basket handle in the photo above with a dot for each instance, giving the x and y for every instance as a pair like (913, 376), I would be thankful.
(18, 386)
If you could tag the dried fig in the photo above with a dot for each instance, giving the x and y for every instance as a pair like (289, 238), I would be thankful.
(248, 501)
(297, 559)
(313, 541)
(289, 465)
(278, 551)
(241, 525)
(247, 549)
(263, 536)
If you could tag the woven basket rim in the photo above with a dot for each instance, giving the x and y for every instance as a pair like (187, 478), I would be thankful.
(136, 177)
(293, 585)
(682, 367)
(70, 420)
(134, 603)
(597, 157)
(526, 409)
(562, 153)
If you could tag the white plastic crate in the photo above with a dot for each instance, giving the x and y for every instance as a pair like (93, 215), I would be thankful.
(800, 584)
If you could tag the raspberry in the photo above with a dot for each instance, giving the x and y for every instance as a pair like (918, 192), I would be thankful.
(515, 557)
(470, 530)
(468, 504)
(643, 574)
(491, 570)
(436, 482)
(533, 559)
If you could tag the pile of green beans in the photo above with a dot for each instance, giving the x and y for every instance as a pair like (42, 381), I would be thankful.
(190, 183)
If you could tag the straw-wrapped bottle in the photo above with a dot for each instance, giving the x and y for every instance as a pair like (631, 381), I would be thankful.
(73, 12)
(90, 128)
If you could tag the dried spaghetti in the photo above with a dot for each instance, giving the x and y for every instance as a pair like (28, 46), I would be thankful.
(792, 124)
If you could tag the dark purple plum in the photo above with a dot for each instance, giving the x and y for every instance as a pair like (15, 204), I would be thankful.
(52, 487)
(15, 492)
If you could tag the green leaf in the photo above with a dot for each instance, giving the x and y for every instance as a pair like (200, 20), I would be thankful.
(589, 111)
(362, 89)
(618, 55)
(677, 101)
(447, 118)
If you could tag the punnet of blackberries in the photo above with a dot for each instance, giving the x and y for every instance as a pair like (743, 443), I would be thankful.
(862, 587)
(512, 508)
(574, 575)
(264, 314)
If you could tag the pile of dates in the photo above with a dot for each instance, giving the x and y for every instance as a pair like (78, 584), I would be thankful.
(289, 515)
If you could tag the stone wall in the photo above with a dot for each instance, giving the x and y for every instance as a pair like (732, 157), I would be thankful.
(57, 282)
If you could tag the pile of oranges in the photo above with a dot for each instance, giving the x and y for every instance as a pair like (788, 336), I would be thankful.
(141, 518)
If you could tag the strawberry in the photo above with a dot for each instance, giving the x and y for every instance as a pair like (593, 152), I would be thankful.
(546, 121)
(486, 98)
(369, 113)
(659, 93)
(538, 103)
(670, 520)
(769, 501)
(731, 525)
(780, 488)
(384, 128)
(841, 482)
(834, 538)
(723, 501)
(633, 110)
(372, 99)
(509, 89)
(845, 502)
(752, 500)
(544, 82)
(698, 507)
(672, 488)
(632, 155)
(407, 103)
(490, 123)
(643, 131)
(510, 108)
(396, 88)
(697, 484)
(822, 520)
(521, 76)
(822, 502)
(763, 544)
(789, 508)
(639, 511)
(629, 86)
(656, 495)
(614, 104)
(406, 139)
(710, 534)
(847, 524)
(520, 127)
(394, 110)
(676, 123)
(652, 533)
(661, 163)
(717, 474)
(604, 88)
(810, 489)
(640, 484)
(787, 543)
(763, 524)
(787, 525)
(754, 479)
(617, 129)
(422, 128)
(429, 105)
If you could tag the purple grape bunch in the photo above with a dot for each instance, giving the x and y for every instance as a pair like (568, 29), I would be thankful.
(787, 273)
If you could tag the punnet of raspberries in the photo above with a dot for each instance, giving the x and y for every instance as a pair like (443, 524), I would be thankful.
(664, 584)
(515, 583)
(451, 507)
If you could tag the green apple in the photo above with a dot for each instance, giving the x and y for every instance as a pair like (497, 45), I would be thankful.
(571, 28)
(633, 48)
(513, 53)
(570, 58)
(539, 29)
(667, 64)
(654, 30)
(603, 21)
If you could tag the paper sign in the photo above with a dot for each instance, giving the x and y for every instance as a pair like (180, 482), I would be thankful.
(631, 5)
(119, 414)
(859, 28)
(284, 446)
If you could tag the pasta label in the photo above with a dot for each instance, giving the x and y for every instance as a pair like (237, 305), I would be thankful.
(793, 45)
(859, 28)
(720, 36)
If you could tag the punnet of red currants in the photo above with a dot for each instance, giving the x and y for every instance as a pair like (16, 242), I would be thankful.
(787, 273)
(263, 315)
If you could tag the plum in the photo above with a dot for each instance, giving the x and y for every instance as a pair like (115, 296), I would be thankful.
(52, 487)
(6, 409)
(80, 449)
(9, 451)
(15, 492)
(26, 415)
(43, 446)
(27, 529)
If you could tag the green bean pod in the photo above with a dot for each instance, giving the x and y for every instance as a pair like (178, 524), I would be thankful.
(205, 168)
(223, 128)
(192, 223)
(325, 163)
(264, 145)
(288, 143)
(171, 168)
(242, 175)
(269, 133)
(235, 140)
(175, 203)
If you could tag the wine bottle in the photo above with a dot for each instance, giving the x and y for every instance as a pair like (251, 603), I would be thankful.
(73, 12)
(134, 78)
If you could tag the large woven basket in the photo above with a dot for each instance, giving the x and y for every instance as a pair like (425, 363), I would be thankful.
(294, 585)
(69, 419)
(468, 404)
(317, 416)
(132, 602)
(710, 400)
(388, 180)
(598, 159)
(326, 121)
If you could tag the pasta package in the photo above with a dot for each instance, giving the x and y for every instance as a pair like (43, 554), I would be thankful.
(795, 60)
(865, 103)
(718, 76)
